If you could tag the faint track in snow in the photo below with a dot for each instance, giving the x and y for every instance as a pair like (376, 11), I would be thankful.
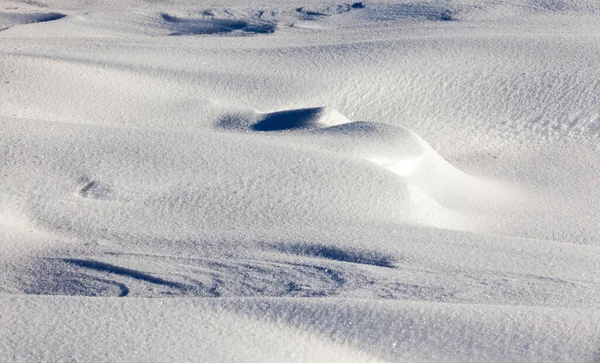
(113, 269)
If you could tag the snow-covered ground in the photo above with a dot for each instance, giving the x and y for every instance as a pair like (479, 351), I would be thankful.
(305, 181)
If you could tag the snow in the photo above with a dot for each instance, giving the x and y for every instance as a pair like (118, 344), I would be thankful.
(317, 181)
(294, 330)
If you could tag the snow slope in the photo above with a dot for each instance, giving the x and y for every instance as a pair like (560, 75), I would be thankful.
(316, 181)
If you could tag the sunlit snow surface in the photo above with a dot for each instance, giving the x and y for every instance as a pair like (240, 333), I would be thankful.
(408, 181)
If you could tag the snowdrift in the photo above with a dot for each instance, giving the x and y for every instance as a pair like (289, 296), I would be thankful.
(325, 181)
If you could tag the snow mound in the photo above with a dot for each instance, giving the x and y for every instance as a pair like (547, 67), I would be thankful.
(393, 147)
(435, 186)
(403, 152)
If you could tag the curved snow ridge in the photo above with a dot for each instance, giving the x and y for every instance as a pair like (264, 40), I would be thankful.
(435, 185)
(9, 19)
(392, 147)
(395, 148)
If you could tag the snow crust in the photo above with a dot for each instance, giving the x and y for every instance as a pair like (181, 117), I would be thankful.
(316, 181)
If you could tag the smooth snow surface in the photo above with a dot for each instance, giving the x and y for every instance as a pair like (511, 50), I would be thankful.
(403, 181)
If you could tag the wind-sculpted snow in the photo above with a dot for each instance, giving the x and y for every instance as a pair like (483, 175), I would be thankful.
(286, 120)
(329, 181)
(185, 26)
(9, 19)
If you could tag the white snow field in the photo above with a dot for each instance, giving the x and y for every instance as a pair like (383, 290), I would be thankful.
(309, 181)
